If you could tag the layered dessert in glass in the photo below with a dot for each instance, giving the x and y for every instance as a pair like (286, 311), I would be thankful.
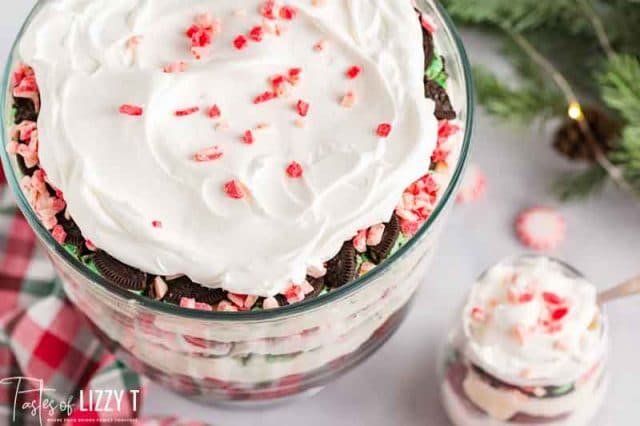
(240, 196)
(530, 348)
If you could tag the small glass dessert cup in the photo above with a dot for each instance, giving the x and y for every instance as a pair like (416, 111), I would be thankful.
(263, 355)
(530, 347)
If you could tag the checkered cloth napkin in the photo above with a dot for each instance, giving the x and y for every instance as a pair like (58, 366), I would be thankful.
(45, 344)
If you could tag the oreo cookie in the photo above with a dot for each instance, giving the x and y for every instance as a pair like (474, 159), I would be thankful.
(23, 166)
(179, 288)
(212, 296)
(282, 300)
(74, 235)
(25, 110)
(389, 237)
(317, 284)
(122, 275)
(343, 268)
(427, 44)
(444, 109)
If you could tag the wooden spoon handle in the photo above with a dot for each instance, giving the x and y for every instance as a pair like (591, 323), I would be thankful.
(626, 289)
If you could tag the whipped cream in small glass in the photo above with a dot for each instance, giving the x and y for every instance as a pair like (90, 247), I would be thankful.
(530, 348)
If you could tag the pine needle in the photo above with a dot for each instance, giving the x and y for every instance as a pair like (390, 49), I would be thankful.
(523, 104)
(580, 185)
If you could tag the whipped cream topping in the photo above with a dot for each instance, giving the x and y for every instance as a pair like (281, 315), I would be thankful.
(130, 182)
(534, 322)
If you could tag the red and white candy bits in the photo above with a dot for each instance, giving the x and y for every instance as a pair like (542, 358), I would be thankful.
(353, 72)
(302, 108)
(473, 185)
(383, 130)
(294, 170)
(133, 110)
(540, 228)
(187, 111)
(234, 189)
(208, 154)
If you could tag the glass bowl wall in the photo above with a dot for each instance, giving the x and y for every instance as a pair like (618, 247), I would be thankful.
(258, 356)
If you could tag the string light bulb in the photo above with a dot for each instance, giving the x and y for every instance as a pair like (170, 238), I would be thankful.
(575, 111)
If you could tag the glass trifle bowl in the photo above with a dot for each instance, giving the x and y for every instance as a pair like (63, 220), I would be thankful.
(259, 353)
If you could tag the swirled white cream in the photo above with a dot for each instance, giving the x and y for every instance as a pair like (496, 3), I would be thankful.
(517, 328)
(120, 174)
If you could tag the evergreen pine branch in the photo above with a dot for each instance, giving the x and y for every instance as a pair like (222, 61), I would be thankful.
(522, 104)
(580, 185)
(627, 156)
(621, 92)
(519, 15)
(621, 86)
(539, 28)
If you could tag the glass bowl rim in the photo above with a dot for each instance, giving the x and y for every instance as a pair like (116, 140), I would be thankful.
(264, 315)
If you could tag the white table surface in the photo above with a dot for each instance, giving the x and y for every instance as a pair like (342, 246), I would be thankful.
(398, 384)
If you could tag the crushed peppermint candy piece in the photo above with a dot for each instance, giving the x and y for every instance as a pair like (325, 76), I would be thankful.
(204, 307)
(294, 170)
(383, 130)
(248, 137)
(132, 110)
(516, 297)
(176, 67)
(187, 302)
(156, 224)
(264, 97)
(540, 228)
(428, 24)
(187, 111)
(296, 293)
(348, 100)
(268, 9)
(287, 13)
(226, 306)
(270, 303)
(293, 75)
(316, 271)
(201, 34)
(256, 33)
(240, 300)
(59, 234)
(234, 189)
(560, 313)
(240, 42)
(208, 154)
(552, 298)
(302, 108)
(90, 245)
(374, 234)
(478, 314)
(360, 241)
(353, 72)
(214, 112)
(473, 185)
(366, 267)
(320, 45)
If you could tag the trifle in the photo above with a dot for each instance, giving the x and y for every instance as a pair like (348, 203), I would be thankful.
(530, 348)
(240, 196)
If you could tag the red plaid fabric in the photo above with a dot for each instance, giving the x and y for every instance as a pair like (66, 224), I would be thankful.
(45, 345)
